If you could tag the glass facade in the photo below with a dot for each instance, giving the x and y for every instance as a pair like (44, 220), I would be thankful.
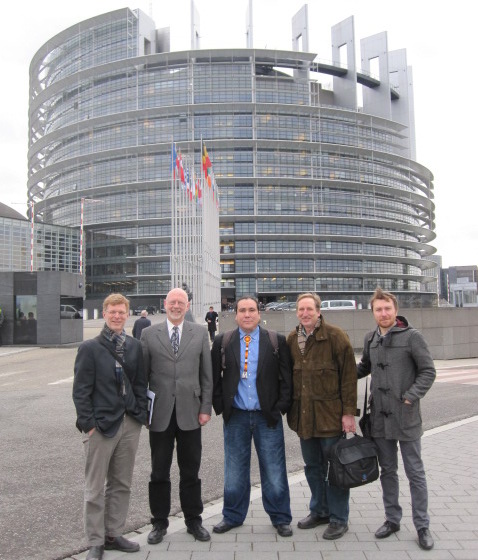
(54, 247)
(313, 195)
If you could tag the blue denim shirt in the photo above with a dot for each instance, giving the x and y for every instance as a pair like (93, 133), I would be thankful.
(246, 397)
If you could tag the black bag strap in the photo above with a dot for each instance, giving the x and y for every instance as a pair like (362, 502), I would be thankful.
(118, 359)
(366, 407)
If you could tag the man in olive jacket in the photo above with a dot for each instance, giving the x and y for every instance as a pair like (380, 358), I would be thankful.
(402, 371)
(324, 405)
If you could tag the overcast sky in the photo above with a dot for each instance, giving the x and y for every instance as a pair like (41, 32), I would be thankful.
(441, 48)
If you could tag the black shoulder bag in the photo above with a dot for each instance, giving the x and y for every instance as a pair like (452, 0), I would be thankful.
(352, 462)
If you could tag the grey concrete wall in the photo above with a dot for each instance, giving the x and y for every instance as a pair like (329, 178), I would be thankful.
(48, 287)
(7, 304)
(451, 333)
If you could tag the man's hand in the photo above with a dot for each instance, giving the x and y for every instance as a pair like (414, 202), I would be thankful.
(204, 419)
(91, 431)
(348, 423)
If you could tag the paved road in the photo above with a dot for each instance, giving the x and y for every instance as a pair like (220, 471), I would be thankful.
(41, 461)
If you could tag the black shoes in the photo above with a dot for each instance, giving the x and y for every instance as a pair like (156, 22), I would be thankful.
(335, 531)
(425, 539)
(95, 553)
(121, 544)
(284, 530)
(157, 534)
(199, 532)
(311, 521)
(223, 527)
(387, 529)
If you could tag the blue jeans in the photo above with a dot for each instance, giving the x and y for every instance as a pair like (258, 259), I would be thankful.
(269, 443)
(326, 500)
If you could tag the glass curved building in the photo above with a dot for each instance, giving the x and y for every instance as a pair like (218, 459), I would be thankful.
(319, 186)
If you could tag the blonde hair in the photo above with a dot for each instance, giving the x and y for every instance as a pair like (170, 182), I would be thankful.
(115, 299)
(315, 297)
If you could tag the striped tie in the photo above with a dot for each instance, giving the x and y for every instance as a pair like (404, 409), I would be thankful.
(175, 340)
(247, 339)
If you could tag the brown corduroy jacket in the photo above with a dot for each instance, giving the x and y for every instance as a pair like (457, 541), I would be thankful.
(325, 382)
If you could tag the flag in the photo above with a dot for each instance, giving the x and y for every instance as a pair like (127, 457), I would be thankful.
(181, 170)
(174, 157)
(206, 162)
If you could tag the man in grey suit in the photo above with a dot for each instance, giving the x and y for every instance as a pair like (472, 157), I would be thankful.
(177, 361)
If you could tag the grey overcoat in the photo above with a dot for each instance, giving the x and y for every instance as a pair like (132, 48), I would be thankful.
(184, 380)
(402, 369)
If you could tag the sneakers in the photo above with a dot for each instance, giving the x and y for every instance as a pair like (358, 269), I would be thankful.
(335, 531)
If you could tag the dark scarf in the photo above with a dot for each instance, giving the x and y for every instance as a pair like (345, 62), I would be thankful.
(302, 336)
(120, 341)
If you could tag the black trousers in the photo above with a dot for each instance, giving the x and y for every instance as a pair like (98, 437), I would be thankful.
(189, 461)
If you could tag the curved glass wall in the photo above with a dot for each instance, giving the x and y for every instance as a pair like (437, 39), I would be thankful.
(313, 196)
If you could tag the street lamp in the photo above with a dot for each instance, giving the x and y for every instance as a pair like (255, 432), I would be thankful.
(82, 210)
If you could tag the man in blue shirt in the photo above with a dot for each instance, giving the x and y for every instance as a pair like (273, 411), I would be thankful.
(252, 389)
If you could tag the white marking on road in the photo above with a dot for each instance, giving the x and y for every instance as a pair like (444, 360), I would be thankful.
(12, 373)
(67, 380)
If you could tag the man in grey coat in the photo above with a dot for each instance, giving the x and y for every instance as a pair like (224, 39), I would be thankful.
(177, 361)
(402, 371)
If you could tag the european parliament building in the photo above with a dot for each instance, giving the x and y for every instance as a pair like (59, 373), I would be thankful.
(319, 186)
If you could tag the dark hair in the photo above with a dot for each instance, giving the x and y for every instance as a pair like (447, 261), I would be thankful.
(242, 298)
(382, 294)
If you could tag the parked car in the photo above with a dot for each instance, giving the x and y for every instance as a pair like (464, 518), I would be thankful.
(271, 306)
(338, 305)
(286, 306)
(70, 312)
(151, 309)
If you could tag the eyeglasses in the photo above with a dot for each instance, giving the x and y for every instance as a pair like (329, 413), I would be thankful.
(120, 313)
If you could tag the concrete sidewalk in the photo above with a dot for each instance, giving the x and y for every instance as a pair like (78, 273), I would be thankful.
(450, 454)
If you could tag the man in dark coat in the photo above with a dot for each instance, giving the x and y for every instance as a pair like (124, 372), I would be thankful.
(141, 324)
(109, 392)
(211, 320)
(252, 389)
(402, 371)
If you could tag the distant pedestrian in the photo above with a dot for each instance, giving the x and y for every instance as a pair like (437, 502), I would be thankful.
(109, 392)
(2, 321)
(211, 320)
(141, 324)
(402, 371)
